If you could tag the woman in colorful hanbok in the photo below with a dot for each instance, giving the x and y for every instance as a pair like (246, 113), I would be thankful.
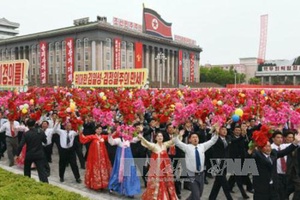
(160, 183)
(98, 166)
(124, 179)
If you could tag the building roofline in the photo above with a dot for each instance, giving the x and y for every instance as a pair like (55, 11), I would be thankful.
(95, 26)
(6, 22)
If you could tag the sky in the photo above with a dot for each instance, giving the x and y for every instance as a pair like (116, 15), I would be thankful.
(226, 30)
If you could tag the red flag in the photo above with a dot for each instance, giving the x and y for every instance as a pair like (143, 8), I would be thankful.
(180, 66)
(138, 55)
(155, 25)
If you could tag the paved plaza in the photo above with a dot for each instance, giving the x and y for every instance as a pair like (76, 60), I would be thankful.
(71, 185)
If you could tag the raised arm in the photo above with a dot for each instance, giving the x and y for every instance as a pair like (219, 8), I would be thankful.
(112, 141)
(146, 143)
(180, 144)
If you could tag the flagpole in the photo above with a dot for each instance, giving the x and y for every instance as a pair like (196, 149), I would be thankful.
(144, 29)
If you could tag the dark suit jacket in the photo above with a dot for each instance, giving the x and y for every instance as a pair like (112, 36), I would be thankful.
(268, 170)
(219, 151)
(237, 147)
(178, 152)
(33, 139)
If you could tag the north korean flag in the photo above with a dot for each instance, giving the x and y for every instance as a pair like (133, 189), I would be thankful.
(155, 25)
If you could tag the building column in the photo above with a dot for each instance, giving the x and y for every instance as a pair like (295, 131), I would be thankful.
(270, 80)
(147, 58)
(153, 64)
(294, 80)
(101, 56)
(93, 55)
(168, 67)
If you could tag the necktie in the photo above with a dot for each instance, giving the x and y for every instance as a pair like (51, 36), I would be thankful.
(225, 143)
(198, 163)
(12, 131)
(172, 148)
(269, 158)
(68, 139)
(283, 163)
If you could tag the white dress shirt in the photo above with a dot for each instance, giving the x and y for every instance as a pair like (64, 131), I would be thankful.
(2, 121)
(189, 150)
(6, 127)
(48, 133)
(63, 136)
(282, 146)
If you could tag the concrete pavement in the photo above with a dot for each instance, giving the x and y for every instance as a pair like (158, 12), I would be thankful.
(71, 185)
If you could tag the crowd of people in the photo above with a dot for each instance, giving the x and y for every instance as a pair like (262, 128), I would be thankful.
(160, 155)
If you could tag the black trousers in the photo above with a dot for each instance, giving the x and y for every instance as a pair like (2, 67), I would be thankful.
(239, 181)
(2, 144)
(282, 186)
(270, 194)
(220, 181)
(78, 149)
(68, 156)
(40, 166)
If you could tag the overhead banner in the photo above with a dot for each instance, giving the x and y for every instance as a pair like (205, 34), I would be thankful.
(111, 78)
(13, 73)
(43, 61)
(138, 55)
(192, 67)
(70, 59)
(117, 53)
(155, 25)
(180, 66)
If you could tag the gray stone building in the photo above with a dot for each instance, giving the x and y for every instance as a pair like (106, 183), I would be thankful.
(8, 28)
(94, 50)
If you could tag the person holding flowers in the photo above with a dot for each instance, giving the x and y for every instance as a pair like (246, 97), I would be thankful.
(265, 183)
(124, 179)
(98, 166)
(160, 183)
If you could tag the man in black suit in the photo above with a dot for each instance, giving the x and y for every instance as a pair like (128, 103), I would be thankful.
(220, 153)
(237, 151)
(34, 151)
(265, 184)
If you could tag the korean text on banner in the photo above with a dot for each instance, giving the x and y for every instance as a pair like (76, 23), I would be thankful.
(69, 59)
(180, 66)
(192, 66)
(117, 53)
(43, 61)
(111, 78)
(13, 73)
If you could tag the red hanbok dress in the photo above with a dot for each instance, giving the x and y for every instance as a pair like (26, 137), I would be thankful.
(98, 166)
(160, 183)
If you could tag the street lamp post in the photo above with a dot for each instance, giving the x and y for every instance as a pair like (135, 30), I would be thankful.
(161, 57)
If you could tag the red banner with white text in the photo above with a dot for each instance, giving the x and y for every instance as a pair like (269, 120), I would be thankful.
(69, 59)
(138, 55)
(180, 66)
(117, 53)
(43, 62)
(192, 66)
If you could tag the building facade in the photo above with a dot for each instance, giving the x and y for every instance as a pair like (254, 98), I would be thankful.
(8, 29)
(95, 49)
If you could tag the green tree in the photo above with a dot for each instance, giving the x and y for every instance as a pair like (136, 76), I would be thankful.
(254, 81)
(220, 76)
